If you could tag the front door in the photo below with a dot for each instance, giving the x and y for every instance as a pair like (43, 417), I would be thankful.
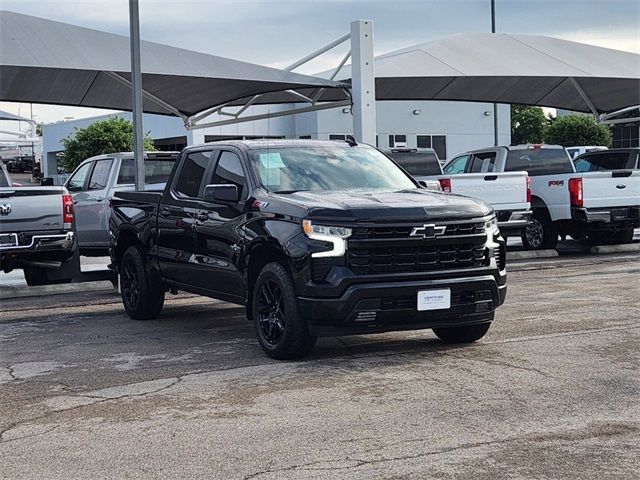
(77, 186)
(94, 207)
(176, 219)
(217, 229)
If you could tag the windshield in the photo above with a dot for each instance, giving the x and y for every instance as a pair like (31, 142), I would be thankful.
(321, 168)
(418, 164)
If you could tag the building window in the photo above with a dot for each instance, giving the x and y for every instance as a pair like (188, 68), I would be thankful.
(397, 141)
(305, 137)
(625, 136)
(337, 137)
(437, 142)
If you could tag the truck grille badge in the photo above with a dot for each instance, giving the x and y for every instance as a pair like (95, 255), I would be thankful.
(428, 230)
(5, 209)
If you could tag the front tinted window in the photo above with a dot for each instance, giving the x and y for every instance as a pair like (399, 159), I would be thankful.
(192, 173)
(418, 164)
(100, 174)
(322, 168)
(603, 161)
(156, 170)
(457, 165)
(539, 161)
(76, 182)
(229, 172)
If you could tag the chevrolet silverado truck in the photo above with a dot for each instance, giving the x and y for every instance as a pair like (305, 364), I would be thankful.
(598, 205)
(470, 175)
(36, 231)
(315, 239)
(93, 184)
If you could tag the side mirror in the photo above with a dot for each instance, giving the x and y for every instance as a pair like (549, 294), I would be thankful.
(227, 193)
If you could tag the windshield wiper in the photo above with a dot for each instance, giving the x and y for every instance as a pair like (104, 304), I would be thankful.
(284, 192)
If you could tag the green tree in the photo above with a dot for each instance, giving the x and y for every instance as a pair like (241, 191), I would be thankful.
(572, 130)
(528, 124)
(105, 136)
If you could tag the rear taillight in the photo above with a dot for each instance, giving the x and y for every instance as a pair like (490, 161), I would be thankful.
(575, 192)
(67, 210)
(528, 189)
(445, 184)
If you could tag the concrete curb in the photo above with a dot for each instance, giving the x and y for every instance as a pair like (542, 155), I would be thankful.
(627, 247)
(17, 291)
(525, 254)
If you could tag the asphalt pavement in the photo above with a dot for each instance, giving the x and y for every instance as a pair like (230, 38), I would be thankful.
(552, 391)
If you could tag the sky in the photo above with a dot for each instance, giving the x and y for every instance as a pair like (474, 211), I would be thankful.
(279, 32)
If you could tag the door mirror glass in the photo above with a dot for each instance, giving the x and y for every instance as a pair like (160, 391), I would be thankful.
(226, 193)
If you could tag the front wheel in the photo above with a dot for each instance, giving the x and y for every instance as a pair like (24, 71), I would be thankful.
(540, 233)
(142, 292)
(467, 334)
(282, 333)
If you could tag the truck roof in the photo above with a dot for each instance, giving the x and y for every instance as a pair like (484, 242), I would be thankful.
(280, 143)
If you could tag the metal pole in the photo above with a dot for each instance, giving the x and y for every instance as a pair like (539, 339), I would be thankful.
(136, 92)
(496, 142)
(363, 84)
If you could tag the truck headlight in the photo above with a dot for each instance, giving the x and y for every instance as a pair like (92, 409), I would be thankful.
(492, 231)
(337, 236)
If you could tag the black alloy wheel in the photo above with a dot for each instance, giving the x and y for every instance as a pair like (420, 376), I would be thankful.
(271, 315)
(130, 288)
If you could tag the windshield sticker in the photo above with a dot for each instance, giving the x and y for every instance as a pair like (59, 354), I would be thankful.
(271, 160)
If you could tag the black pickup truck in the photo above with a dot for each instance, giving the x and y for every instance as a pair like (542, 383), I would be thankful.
(315, 239)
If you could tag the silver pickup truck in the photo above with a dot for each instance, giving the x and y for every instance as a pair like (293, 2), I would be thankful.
(93, 184)
(36, 231)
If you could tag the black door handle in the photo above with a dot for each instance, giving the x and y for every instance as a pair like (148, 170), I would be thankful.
(491, 177)
(165, 211)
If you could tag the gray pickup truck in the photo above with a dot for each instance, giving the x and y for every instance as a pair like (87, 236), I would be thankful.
(93, 184)
(36, 231)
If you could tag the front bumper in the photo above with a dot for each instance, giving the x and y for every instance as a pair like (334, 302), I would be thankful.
(391, 306)
(628, 215)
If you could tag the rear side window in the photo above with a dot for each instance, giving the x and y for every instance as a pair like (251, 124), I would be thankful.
(604, 161)
(539, 161)
(192, 174)
(100, 174)
(418, 164)
(483, 162)
(229, 172)
(156, 170)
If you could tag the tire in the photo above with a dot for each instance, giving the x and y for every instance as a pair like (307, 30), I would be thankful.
(142, 292)
(611, 237)
(36, 276)
(540, 233)
(467, 334)
(282, 333)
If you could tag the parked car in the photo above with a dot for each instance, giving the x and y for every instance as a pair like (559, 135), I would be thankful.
(93, 184)
(22, 163)
(36, 231)
(508, 193)
(602, 206)
(315, 239)
(614, 159)
(576, 151)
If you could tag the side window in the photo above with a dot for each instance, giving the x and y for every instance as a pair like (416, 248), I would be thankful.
(192, 174)
(457, 165)
(100, 174)
(483, 162)
(229, 171)
(76, 182)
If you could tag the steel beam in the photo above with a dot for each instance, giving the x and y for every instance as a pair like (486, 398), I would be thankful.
(363, 85)
(136, 92)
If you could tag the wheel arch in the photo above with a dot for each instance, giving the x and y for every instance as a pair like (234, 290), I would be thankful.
(259, 255)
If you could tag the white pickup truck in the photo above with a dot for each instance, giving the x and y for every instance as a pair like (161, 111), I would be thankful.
(471, 175)
(602, 206)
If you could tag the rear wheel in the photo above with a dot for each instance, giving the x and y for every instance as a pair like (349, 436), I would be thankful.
(467, 334)
(611, 237)
(142, 292)
(282, 333)
(623, 236)
(540, 233)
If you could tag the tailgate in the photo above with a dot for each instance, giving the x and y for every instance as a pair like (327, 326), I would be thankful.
(29, 209)
(503, 191)
(611, 189)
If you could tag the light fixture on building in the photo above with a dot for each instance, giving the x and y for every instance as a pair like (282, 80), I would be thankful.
(417, 112)
(487, 113)
(346, 110)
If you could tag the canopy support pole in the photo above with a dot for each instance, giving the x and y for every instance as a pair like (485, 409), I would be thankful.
(136, 84)
(584, 96)
(363, 82)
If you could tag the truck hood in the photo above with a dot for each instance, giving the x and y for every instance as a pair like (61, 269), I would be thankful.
(376, 206)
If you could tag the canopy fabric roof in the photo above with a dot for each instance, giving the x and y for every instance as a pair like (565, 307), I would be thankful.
(43, 61)
(505, 68)
(10, 116)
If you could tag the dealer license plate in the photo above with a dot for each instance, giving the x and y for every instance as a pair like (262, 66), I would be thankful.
(434, 299)
(8, 240)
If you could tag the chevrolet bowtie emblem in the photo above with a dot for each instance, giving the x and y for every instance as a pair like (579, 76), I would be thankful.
(428, 230)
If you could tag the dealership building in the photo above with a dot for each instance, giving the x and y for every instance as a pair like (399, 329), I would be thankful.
(448, 127)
